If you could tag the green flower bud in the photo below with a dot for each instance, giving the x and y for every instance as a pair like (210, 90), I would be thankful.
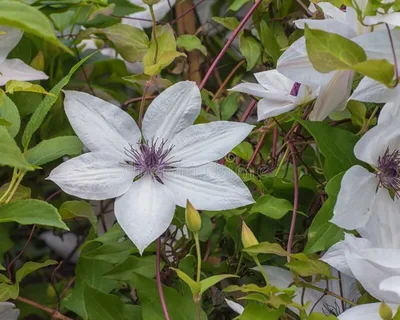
(385, 311)
(151, 2)
(192, 216)
(248, 238)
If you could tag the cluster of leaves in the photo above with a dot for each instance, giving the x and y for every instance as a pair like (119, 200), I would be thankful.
(291, 165)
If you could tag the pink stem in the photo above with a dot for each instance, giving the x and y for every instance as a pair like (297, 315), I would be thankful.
(248, 111)
(227, 45)
(293, 151)
(158, 279)
(257, 150)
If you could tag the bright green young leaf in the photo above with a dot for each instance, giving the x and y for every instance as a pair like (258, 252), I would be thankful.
(30, 267)
(50, 150)
(27, 18)
(209, 282)
(335, 144)
(165, 49)
(250, 49)
(4, 122)
(229, 106)
(78, 209)
(379, 70)
(230, 23)
(11, 155)
(323, 234)
(243, 150)
(269, 42)
(15, 86)
(145, 266)
(4, 279)
(21, 193)
(101, 305)
(267, 248)
(321, 316)
(63, 20)
(272, 207)
(10, 113)
(358, 112)
(194, 286)
(112, 252)
(31, 212)
(237, 4)
(8, 291)
(257, 311)
(190, 42)
(40, 113)
(309, 267)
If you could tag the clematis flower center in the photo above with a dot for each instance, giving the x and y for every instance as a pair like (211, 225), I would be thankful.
(151, 158)
(389, 170)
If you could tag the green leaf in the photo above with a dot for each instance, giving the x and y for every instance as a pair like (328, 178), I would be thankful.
(16, 86)
(112, 252)
(323, 234)
(191, 42)
(11, 155)
(30, 267)
(166, 52)
(8, 291)
(229, 106)
(321, 316)
(27, 18)
(50, 150)
(237, 4)
(21, 193)
(243, 150)
(272, 207)
(267, 248)
(10, 113)
(4, 122)
(379, 70)
(330, 51)
(103, 306)
(259, 312)
(145, 266)
(38, 116)
(269, 42)
(209, 282)
(250, 49)
(78, 209)
(358, 112)
(309, 267)
(31, 212)
(230, 23)
(335, 144)
(193, 285)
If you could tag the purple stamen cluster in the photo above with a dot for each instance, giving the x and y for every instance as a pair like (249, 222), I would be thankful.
(151, 158)
(389, 171)
(295, 89)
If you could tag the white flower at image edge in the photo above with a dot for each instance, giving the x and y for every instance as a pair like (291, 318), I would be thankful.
(151, 172)
(278, 94)
(14, 69)
(142, 19)
(8, 311)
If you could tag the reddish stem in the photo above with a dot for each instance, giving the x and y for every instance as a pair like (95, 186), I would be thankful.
(187, 11)
(248, 111)
(257, 150)
(158, 279)
(296, 199)
(274, 146)
(227, 45)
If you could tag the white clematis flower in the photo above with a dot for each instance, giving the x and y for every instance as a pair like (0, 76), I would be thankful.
(14, 69)
(144, 17)
(335, 85)
(365, 312)
(8, 311)
(363, 192)
(282, 278)
(152, 171)
(278, 94)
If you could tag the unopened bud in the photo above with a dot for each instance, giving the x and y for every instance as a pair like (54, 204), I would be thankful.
(248, 238)
(385, 311)
(151, 2)
(192, 217)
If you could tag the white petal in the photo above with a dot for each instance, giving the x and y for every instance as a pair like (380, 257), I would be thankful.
(208, 187)
(235, 306)
(355, 199)
(328, 25)
(93, 176)
(295, 65)
(363, 312)
(390, 111)
(8, 311)
(391, 284)
(333, 96)
(202, 143)
(145, 211)
(173, 110)
(254, 89)
(274, 105)
(63, 245)
(274, 81)
(100, 125)
(385, 213)
(336, 256)
(390, 18)
(160, 11)
(369, 90)
(330, 11)
(16, 69)
(9, 38)
(377, 140)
